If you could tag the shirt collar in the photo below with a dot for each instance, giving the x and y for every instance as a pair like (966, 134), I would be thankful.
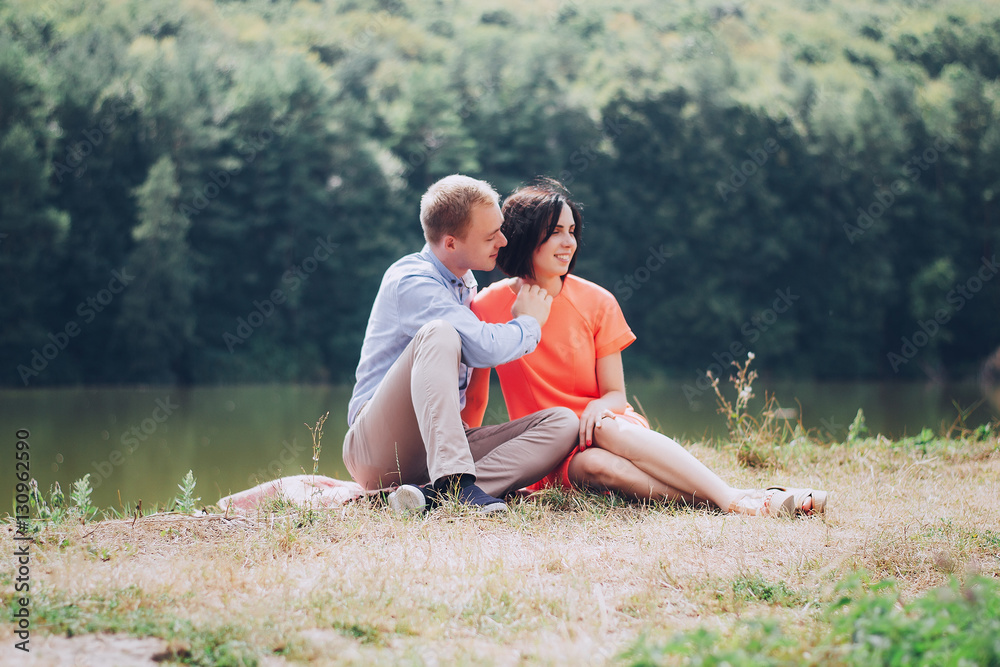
(468, 280)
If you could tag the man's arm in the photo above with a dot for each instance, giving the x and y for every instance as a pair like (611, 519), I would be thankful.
(484, 345)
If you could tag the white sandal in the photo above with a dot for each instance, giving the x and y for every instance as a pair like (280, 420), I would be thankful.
(802, 495)
(772, 502)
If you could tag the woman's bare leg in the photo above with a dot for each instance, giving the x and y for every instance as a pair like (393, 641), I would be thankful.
(648, 465)
(599, 468)
(664, 460)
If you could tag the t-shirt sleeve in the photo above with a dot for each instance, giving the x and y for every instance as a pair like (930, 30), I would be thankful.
(491, 306)
(611, 331)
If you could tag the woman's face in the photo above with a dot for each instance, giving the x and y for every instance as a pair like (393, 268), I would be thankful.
(552, 257)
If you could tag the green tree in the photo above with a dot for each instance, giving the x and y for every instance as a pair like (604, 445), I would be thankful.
(156, 322)
(32, 230)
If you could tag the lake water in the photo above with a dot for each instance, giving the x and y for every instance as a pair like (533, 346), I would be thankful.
(137, 443)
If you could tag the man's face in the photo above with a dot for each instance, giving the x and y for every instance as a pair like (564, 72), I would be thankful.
(483, 240)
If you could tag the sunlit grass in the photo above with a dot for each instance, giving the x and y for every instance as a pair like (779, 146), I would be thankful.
(565, 577)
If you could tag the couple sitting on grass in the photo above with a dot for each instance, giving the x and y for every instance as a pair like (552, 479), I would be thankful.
(556, 341)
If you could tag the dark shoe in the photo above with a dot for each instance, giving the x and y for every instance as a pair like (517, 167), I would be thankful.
(479, 500)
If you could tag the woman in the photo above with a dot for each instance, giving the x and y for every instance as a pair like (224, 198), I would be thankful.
(578, 364)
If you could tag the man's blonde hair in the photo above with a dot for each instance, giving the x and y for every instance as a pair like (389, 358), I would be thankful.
(447, 205)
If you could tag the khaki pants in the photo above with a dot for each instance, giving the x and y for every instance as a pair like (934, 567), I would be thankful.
(411, 430)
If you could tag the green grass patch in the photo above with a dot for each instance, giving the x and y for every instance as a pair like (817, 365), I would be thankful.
(754, 588)
(753, 644)
(129, 611)
(955, 624)
(363, 632)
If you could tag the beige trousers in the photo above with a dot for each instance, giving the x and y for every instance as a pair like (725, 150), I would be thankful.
(411, 430)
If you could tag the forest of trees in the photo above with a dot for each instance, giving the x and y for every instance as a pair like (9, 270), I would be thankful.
(209, 191)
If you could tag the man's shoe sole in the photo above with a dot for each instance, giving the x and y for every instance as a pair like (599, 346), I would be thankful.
(492, 508)
(407, 499)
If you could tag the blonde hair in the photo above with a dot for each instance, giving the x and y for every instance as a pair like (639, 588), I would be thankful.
(446, 206)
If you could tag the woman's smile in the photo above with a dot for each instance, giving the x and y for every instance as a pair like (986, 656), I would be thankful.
(553, 256)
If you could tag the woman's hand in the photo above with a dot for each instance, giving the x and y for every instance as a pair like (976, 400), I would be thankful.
(590, 419)
(611, 382)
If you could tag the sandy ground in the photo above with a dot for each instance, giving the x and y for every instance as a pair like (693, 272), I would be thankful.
(576, 583)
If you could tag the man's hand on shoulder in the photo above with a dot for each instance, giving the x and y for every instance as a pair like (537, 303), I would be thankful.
(532, 300)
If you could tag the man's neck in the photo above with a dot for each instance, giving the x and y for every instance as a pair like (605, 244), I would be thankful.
(443, 257)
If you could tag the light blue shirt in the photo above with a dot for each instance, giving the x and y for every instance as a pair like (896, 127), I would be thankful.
(416, 289)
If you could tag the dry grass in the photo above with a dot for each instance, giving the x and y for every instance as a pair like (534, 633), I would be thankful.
(560, 580)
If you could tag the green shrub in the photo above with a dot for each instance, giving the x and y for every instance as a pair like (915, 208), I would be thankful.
(957, 624)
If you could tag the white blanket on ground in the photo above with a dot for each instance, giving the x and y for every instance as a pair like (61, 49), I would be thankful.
(302, 490)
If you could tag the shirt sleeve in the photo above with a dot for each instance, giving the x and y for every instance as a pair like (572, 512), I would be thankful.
(484, 345)
(611, 332)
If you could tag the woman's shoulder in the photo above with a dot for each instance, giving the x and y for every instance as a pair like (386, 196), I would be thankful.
(495, 295)
(496, 290)
(588, 292)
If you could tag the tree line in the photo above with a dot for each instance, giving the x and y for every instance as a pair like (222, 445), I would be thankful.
(209, 192)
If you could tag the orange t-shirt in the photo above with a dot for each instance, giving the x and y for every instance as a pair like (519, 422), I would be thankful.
(585, 324)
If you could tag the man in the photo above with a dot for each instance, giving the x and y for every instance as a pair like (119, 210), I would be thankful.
(420, 345)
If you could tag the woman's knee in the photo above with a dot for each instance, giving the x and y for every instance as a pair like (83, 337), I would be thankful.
(608, 433)
(597, 467)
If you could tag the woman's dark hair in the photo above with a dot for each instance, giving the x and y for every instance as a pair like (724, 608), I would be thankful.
(530, 216)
